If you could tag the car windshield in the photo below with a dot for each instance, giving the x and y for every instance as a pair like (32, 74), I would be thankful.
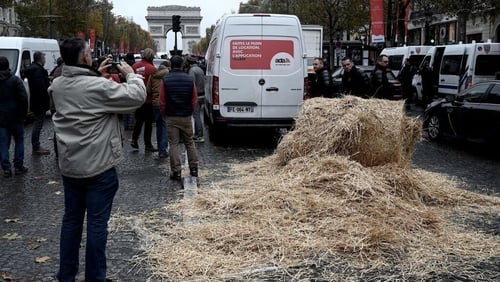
(474, 93)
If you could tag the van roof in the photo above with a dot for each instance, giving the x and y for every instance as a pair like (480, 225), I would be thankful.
(250, 16)
(11, 42)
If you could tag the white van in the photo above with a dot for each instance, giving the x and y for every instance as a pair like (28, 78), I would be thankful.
(19, 51)
(256, 72)
(398, 55)
(457, 67)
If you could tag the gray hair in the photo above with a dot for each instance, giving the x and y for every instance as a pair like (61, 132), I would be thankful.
(148, 54)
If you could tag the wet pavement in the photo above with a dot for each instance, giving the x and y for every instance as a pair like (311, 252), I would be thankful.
(31, 207)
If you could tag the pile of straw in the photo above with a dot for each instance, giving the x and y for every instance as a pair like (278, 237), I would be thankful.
(337, 201)
(372, 132)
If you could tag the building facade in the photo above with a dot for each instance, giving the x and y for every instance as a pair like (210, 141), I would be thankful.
(427, 27)
(160, 23)
(8, 22)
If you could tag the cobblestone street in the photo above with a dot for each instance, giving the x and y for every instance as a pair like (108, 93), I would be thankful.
(31, 208)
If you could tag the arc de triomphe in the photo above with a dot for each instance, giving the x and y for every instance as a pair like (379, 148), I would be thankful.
(160, 22)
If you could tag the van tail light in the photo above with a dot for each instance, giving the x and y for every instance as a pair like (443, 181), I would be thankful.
(306, 88)
(215, 91)
(468, 83)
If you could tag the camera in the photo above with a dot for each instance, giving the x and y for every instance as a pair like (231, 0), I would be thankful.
(113, 68)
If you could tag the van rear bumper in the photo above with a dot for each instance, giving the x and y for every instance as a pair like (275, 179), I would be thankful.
(246, 122)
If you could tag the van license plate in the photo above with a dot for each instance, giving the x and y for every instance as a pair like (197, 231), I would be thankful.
(240, 109)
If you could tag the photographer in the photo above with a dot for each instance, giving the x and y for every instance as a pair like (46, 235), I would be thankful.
(89, 142)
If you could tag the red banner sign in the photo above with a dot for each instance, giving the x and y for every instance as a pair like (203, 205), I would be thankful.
(377, 20)
(260, 54)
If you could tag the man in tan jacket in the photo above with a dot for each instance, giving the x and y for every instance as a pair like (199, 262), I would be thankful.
(153, 89)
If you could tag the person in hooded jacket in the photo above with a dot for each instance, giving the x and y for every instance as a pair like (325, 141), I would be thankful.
(13, 110)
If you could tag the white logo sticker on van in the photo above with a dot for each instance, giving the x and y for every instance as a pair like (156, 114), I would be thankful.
(281, 60)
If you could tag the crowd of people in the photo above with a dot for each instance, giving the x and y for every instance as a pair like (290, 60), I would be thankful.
(88, 99)
(355, 82)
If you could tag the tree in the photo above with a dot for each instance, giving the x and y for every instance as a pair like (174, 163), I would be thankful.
(69, 17)
(202, 46)
(337, 17)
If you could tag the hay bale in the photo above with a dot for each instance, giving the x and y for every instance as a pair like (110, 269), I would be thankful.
(372, 132)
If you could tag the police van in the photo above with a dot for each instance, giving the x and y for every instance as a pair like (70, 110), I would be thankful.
(398, 55)
(20, 50)
(256, 72)
(457, 67)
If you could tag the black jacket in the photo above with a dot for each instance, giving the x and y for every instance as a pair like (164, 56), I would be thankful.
(179, 93)
(380, 82)
(355, 82)
(38, 81)
(13, 99)
(323, 86)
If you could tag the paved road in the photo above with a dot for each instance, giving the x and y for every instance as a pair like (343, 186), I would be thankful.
(31, 205)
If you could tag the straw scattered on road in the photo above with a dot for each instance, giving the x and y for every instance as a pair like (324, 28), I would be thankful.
(338, 200)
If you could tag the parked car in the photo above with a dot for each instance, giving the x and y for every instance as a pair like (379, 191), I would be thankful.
(393, 81)
(473, 115)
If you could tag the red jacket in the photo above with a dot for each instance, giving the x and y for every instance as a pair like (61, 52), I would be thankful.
(145, 68)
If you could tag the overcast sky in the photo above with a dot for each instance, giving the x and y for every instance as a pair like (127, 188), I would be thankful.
(211, 10)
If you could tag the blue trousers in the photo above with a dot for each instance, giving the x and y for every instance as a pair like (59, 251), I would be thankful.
(15, 130)
(37, 129)
(161, 130)
(95, 196)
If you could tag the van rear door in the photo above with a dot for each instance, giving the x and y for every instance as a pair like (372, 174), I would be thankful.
(240, 68)
(284, 67)
(264, 71)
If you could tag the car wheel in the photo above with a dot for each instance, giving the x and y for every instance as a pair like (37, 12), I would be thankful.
(433, 127)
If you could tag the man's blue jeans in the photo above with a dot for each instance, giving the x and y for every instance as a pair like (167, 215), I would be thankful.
(94, 195)
(161, 131)
(37, 129)
(6, 133)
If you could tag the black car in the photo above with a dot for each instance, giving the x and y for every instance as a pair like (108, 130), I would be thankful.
(394, 84)
(473, 115)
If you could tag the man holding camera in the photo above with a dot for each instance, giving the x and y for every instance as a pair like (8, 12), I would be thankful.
(89, 142)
